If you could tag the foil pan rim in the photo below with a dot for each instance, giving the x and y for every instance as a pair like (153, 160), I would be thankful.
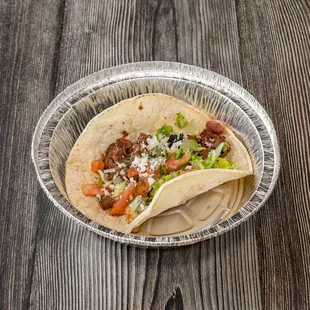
(194, 74)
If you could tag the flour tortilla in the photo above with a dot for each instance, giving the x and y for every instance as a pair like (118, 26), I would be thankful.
(145, 113)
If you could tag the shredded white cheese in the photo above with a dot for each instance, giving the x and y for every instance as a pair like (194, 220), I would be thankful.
(143, 145)
(106, 193)
(152, 143)
(155, 162)
(109, 170)
(188, 167)
(98, 196)
(121, 165)
(176, 145)
(163, 144)
(140, 163)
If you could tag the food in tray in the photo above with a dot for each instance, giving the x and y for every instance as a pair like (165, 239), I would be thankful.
(146, 155)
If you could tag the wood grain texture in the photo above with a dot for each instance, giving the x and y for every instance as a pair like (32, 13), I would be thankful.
(49, 262)
(275, 67)
(28, 36)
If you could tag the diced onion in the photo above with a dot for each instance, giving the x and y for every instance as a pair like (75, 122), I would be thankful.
(135, 203)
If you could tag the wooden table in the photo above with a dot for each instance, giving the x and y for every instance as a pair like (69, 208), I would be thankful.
(49, 262)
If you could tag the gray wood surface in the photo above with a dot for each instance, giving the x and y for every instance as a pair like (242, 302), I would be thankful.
(47, 261)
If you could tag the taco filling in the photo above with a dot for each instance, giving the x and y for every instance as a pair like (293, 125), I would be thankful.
(131, 172)
(146, 155)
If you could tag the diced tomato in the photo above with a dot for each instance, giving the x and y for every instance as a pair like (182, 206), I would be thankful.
(142, 187)
(123, 201)
(132, 172)
(97, 165)
(174, 164)
(186, 171)
(91, 190)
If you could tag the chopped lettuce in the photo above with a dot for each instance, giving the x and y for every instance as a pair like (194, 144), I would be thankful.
(119, 189)
(196, 157)
(164, 131)
(223, 163)
(99, 182)
(225, 147)
(181, 121)
(197, 162)
(179, 154)
(163, 169)
(156, 187)
(213, 156)
(192, 145)
(160, 182)
(167, 177)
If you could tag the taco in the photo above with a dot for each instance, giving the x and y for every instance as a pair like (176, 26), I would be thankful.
(148, 154)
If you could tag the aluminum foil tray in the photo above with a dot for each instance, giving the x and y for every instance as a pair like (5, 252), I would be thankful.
(202, 217)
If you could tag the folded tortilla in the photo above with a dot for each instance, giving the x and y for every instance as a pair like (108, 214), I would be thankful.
(145, 113)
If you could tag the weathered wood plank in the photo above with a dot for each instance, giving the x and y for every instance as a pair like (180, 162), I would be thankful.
(275, 67)
(28, 43)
